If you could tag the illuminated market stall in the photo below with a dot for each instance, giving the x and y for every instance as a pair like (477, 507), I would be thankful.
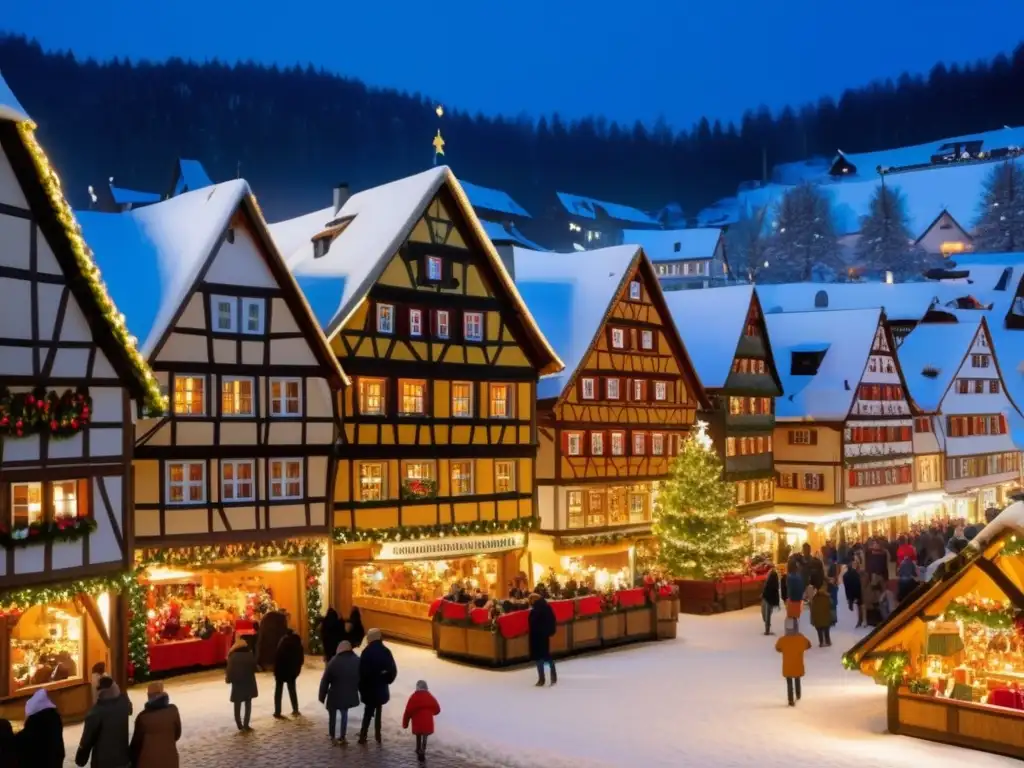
(953, 654)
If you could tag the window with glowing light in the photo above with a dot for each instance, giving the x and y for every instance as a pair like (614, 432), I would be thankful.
(417, 583)
(285, 479)
(45, 647)
(56, 500)
(371, 481)
(186, 482)
(189, 395)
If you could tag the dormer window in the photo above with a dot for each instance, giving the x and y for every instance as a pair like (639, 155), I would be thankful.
(634, 290)
(385, 318)
(433, 267)
(320, 247)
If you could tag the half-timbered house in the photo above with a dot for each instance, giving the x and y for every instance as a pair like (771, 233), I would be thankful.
(611, 422)
(243, 460)
(440, 433)
(954, 374)
(69, 373)
(726, 337)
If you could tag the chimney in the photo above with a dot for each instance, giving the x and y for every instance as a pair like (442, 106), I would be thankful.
(341, 195)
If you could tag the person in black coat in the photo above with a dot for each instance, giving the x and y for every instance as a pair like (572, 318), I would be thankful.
(377, 671)
(852, 587)
(40, 743)
(354, 631)
(8, 756)
(332, 632)
(770, 599)
(288, 663)
(542, 629)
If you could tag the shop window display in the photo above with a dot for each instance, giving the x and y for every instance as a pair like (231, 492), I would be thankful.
(46, 646)
(423, 581)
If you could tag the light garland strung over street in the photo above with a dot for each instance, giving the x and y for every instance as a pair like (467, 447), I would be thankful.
(444, 530)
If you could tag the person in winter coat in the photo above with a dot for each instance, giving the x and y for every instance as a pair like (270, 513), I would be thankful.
(907, 578)
(420, 710)
(157, 731)
(832, 585)
(287, 666)
(958, 543)
(240, 674)
(8, 755)
(821, 616)
(332, 632)
(40, 742)
(273, 627)
(354, 631)
(905, 549)
(795, 586)
(339, 688)
(770, 599)
(873, 596)
(377, 671)
(105, 735)
(792, 646)
(542, 628)
(851, 585)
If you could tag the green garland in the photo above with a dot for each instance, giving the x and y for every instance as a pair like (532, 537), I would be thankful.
(138, 643)
(1015, 546)
(849, 662)
(44, 412)
(894, 667)
(991, 618)
(63, 529)
(600, 539)
(411, 532)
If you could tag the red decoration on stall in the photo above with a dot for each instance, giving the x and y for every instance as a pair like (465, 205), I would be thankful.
(454, 611)
(589, 606)
(564, 610)
(480, 615)
(514, 624)
(44, 412)
(433, 608)
(630, 598)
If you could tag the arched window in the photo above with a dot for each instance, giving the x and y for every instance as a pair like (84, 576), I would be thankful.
(820, 300)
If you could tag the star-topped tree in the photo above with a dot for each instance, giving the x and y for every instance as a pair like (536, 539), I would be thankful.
(698, 535)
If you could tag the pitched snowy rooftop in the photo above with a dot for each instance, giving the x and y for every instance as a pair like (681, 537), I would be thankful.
(569, 295)
(589, 207)
(710, 322)
(124, 196)
(846, 336)
(507, 233)
(719, 213)
(675, 244)
(901, 301)
(939, 349)
(10, 107)
(487, 199)
(150, 257)
(191, 176)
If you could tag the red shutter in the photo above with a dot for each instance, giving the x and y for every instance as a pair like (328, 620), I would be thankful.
(565, 435)
(1002, 424)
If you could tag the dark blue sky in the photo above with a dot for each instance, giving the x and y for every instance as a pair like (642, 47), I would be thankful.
(640, 59)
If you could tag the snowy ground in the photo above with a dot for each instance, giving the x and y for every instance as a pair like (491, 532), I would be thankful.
(714, 697)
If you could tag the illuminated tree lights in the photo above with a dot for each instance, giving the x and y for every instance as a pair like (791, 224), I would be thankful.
(412, 532)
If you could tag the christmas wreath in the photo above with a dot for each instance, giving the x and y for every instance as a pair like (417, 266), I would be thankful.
(44, 412)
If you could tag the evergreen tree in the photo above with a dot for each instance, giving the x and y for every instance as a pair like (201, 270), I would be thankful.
(803, 245)
(885, 243)
(1000, 225)
(698, 535)
(745, 245)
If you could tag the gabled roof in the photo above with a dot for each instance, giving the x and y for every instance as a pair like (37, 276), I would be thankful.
(845, 336)
(125, 196)
(190, 176)
(720, 213)
(589, 207)
(938, 349)
(901, 301)
(487, 199)
(380, 219)
(675, 244)
(154, 256)
(507, 233)
(711, 323)
(57, 222)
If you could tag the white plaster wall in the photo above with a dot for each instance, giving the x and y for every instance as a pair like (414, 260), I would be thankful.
(49, 302)
(10, 189)
(16, 304)
(240, 263)
(546, 506)
(74, 328)
(71, 363)
(103, 546)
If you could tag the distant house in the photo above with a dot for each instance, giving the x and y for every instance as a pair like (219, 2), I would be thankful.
(188, 175)
(500, 216)
(684, 258)
(586, 223)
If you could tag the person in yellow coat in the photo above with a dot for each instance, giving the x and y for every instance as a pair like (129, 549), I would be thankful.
(792, 646)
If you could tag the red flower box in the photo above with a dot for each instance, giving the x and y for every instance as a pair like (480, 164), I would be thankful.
(515, 624)
(564, 610)
(630, 598)
(433, 608)
(479, 615)
(588, 606)
(454, 611)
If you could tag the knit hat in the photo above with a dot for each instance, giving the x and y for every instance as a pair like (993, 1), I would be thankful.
(374, 635)
(39, 701)
(421, 685)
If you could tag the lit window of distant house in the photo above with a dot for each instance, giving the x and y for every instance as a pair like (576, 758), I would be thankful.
(252, 316)
(587, 385)
(462, 399)
(224, 319)
(385, 318)
(236, 396)
(504, 476)
(473, 326)
(186, 482)
(285, 397)
(660, 390)
(236, 480)
(441, 319)
(658, 444)
(618, 338)
(433, 268)
(413, 397)
(618, 443)
(647, 339)
(574, 443)
(638, 443)
(634, 290)
(574, 505)
(285, 479)
(188, 395)
(612, 386)
(415, 322)
(371, 481)
(597, 443)
(501, 401)
(371, 397)
(462, 478)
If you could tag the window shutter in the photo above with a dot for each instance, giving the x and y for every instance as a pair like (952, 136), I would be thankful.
(790, 436)
(814, 437)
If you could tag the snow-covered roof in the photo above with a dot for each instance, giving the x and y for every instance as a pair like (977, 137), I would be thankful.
(380, 219)
(570, 294)
(588, 208)
(151, 257)
(487, 199)
(920, 154)
(812, 169)
(710, 322)
(191, 176)
(10, 107)
(507, 233)
(1008, 345)
(938, 348)
(846, 337)
(124, 196)
(675, 244)
(901, 301)
(720, 213)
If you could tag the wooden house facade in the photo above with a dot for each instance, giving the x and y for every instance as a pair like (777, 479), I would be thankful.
(610, 424)
(439, 430)
(69, 376)
(734, 361)
(243, 461)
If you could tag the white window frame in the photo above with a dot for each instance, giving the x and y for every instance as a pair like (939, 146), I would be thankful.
(618, 443)
(283, 380)
(432, 262)
(235, 464)
(586, 384)
(443, 324)
(634, 290)
(385, 318)
(383, 467)
(639, 444)
(472, 476)
(612, 388)
(510, 405)
(383, 395)
(574, 443)
(215, 302)
(243, 320)
(513, 470)
(284, 480)
(660, 390)
(618, 338)
(186, 484)
(469, 411)
(646, 339)
(40, 487)
(638, 390)
(252, 396)
(597, 443)
(205, 397)
(470, 319)
(415, 322)
(657, 444)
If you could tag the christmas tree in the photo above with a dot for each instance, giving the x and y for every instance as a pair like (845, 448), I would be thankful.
(698, 535)
(804, 245)
(885, 243)
(1000, 225)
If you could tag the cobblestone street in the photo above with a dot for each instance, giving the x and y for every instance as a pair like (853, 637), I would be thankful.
(209, 736)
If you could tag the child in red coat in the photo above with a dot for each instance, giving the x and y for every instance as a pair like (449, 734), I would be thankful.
(421, 710)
